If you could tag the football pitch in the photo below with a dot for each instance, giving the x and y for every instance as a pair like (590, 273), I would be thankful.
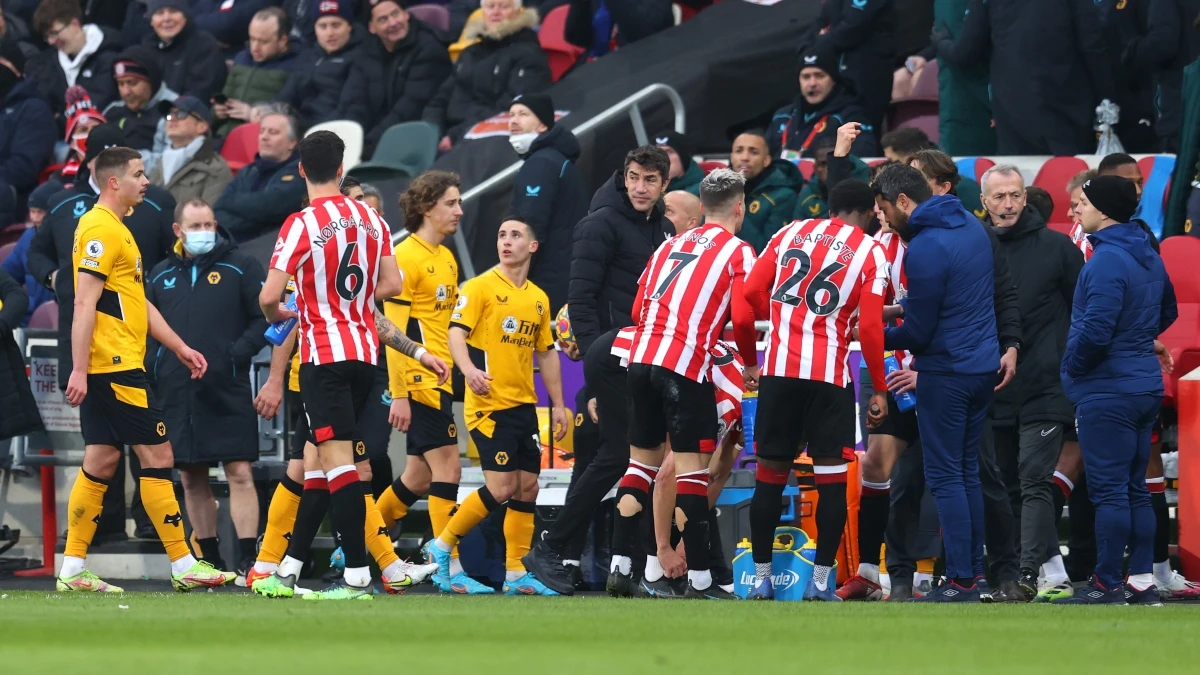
(234, 632)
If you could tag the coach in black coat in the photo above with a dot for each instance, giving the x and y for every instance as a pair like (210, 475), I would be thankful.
(18, 410)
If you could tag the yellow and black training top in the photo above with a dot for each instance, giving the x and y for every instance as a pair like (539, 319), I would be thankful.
(105, 248)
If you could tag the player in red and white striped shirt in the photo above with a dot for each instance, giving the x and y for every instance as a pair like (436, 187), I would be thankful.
(684, 298)
(814, 280)
(340, 253)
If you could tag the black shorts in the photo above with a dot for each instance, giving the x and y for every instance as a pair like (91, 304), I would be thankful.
(432, 423)
(512, 444)
(663, 403)
(793, 413)
(902, 425)
(335, 395)
(373, 433)
(120, 409)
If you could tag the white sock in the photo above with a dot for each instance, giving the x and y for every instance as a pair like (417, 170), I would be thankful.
(391, 571)
(510, 575)
(265, 567)
(442, 546)
(1054, 571)
(654, 569)
(821, 577)
(1141, 582)
(921, 576)
(869, 572)
(728, 588)
(183, 564)
(1162, 571)
(70, 567)
(455, 567)
(620, 564)
(357, 576)
(762, 570)
(290, 567)
(700, 579)
(571, 563)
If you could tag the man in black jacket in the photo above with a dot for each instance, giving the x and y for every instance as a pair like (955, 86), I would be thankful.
(1029, 416)
(269, 189)
(614, 242)
(207, 291)
(549, 192)
(395, 74)
(315, 86)
(827, 100)
(189, 58)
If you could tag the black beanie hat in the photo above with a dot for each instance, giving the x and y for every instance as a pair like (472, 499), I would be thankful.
(540, 104)
(820, 57)
(101, 138)
(1113, 196)
(677, 142)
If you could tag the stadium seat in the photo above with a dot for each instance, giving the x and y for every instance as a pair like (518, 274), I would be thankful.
(241, 145)
(6, 249)
(1053, 177)
(927, 122)
(711, 165)
(562, 54)
(1156, 170)
(1064, 228)
(1179, 255)
(45, 317)
(973, 167)
(405, 149)
(434, 15)
(351, 134)
(806, 166)
(913, 110)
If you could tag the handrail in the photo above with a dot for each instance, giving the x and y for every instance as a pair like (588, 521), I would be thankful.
(628, 104)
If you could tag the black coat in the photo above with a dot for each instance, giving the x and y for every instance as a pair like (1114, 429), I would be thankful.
(1167, 19)
(633, 19)
(315, 86)
(862, 34)
(613, 244)
(96, 76)
(386, 88)
(506, 61)
(27, 136)
(795, 127)
(1044, 265)
(211, 302)
(191, 64)
(50, 250)
(261, 196)
(1139, 44)
(550, 193)
(18, 410)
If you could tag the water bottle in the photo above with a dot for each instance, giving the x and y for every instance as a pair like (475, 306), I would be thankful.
(908, 399)
(749, 409)
(276, 333)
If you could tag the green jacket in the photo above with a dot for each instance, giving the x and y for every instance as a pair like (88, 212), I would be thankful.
(964, 97)
(253, 83)
(689, 181)
(971, 196)
(813, 200)
(770, 202)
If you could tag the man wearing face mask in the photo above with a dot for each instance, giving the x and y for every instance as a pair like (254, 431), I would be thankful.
(207, 291)
(549, 192)
(26, 134)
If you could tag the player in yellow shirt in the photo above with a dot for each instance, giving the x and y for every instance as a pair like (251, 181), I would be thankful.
(108, 381)
(501, 320)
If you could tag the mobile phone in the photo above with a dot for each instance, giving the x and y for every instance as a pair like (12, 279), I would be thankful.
(220, 99)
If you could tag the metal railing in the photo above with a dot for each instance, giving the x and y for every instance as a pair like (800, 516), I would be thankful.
(629, 104)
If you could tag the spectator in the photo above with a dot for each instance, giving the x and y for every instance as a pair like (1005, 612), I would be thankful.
(1139, 44)
(142, 90)
(592, 24)
(1029, 416)
(259, 72)
(1074, 191)
(770, 188)
(395, 73)
(613, 243)
(18, 410)
(228, 20)
(82, 116)
(82, 54)
(16, 262)
(964, 92)
(832, 164)
(683, 210)
(16, 29)
(686, 174)
(941, 169)
(826, 101)
(26, 134)
(268, 190)
(901, 144)
(463, 12)
(372, 197)
(189, 59)
(1041, 201)
(1123, 166)
(211, 419)
(315, 86)
(549, 192)
(190, 168)
(858, 34)
(508, 60)
(1170, 78)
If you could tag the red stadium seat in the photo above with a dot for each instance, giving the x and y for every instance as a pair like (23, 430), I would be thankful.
(1065, 228)
(927, 122)
(807, 166)
(6, 249)
(1053, 177)
(561, 54)
(241, 145)
(1180, 254)
(45, 317)
(711, 165)
(434, 15)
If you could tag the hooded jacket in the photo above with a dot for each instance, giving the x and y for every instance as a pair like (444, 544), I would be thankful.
(949, 314)
(204, 176)
(1044, 265)
(508, 60)
(252, 82)
(690, 180)
(95, 74)
(27, 137)
(550, 193)
(315, 86)
(18, 410)
(262, 195)
(1124, 300)
(613, 244)
(770, 202)
(191, 64)
(794, 127)
(211, 302)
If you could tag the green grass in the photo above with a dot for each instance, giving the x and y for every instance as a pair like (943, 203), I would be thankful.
(211, 633)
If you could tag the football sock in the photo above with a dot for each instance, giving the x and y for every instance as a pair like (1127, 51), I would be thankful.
(925, 567)
(867, 570)
(210, 551)
(716, 550)
(633, 500)
(518, 536)
(379, 543)
(348, 514)
(1054, 571)
(821, 576)
(831, 511)
(766, 505)
(873, 509)
(654, 569)
(443, 502)
(281, 518)
(1162, 518)
(700, 579)
(474, 509)
(622, 564)
(691, 498)
(395, 502)
(1141, 582)
(762, 570)
(83, 515)
(1163, 572)
(314, 503)
(158, 496)
(247, 548)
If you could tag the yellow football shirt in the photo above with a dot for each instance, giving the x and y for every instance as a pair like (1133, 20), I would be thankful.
(505, 325)
(422, 311)
(105, 248)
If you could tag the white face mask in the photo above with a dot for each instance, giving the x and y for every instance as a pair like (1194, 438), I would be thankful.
(521, 142)
(199, 243)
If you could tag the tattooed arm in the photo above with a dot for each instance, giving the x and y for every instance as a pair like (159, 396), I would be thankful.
(391, 336)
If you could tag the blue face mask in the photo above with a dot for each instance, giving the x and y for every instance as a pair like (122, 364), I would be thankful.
(199, 243)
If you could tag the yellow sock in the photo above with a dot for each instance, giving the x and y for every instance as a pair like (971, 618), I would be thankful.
(443, 502)
(926, 566)
(391, 508)
(379, 544)
(518, 534)
(83, 513)
(883, 559)
(281, 518)
(474, 509)
(158, 496)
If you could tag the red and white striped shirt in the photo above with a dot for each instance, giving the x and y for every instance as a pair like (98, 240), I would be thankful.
(333, 249)
(684, 299)
(893, 250)
(1079, 238)
(822, 268)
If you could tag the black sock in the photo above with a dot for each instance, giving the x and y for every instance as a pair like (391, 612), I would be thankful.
(1162, 531)
(1060, 500)
(872, 523)
(649, 543)
(626, 528)
(314, 503)
(716, 551)
(831, 517)
(248, 548)
(348, 513)
(210, 552)
(765, 508)
(695, 529)
(406, 496)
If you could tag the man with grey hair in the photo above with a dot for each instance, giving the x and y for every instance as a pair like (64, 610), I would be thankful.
(1031, 417)
(269, 189)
